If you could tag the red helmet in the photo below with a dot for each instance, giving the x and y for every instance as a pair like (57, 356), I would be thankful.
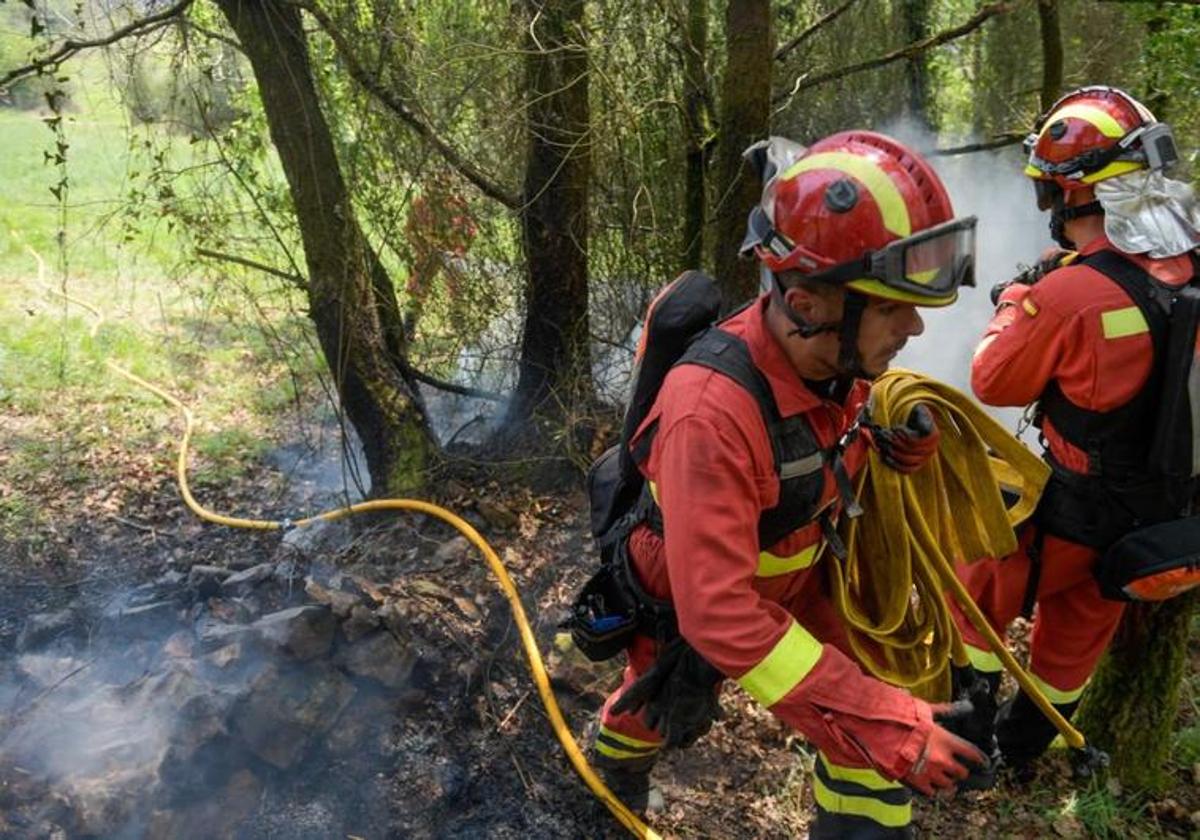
(1093, 134)
(860, 209)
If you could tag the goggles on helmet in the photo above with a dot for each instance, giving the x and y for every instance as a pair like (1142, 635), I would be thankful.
(1156, 149)
(930, 264)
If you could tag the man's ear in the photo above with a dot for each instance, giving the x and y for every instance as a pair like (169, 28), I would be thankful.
(812, 307)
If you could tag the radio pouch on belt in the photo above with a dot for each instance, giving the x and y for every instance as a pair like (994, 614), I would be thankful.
(1152, 563)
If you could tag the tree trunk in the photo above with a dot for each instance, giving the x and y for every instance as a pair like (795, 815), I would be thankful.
(1052, 52)
(914, 19)
(1129, 709)
(978, 108)
(745, 119)
(350, 295)
(697, 125)
(555, 367)
(1157, 92)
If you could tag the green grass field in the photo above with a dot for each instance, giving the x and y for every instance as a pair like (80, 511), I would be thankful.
(235, 348)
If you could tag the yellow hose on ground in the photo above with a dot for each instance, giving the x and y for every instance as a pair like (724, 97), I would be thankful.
(914, 633)
(891, 588)
(536, 666)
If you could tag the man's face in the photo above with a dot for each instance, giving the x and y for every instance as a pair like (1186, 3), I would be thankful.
(886, 327)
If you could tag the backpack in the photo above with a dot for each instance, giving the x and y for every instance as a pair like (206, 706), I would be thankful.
(679, 329)
(1137, 506)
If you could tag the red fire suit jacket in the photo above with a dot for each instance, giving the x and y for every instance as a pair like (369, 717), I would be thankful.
(762, 617)
(1075, 326)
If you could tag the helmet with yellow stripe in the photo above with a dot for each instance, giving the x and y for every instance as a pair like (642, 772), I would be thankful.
(1093, 134)
(862, 210)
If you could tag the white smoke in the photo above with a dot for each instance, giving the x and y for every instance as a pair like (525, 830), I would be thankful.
(1011, 232)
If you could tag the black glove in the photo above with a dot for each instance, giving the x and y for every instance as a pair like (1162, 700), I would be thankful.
(679, 694)
(1030, 276)
(979, 689)
(909, 447)
(973, 717)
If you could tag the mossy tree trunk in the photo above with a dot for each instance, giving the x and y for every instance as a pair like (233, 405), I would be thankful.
(351, 298)
(1052, 52)
(914, 23)
(1129, 709)
(1158, 96)
(745, 117)
(698, 131)
(555, 366)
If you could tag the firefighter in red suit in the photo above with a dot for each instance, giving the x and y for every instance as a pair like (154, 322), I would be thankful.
(852, 235)
(1074, 341)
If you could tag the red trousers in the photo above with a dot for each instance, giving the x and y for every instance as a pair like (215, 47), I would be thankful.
(1072, 624)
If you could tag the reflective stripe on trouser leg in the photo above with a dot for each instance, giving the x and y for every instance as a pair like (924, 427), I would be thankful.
(616, 750)
(983, 660)
(624, 741)
(857, 803)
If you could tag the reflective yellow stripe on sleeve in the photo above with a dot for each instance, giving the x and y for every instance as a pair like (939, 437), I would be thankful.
(771, 565)
(1119, 323)
(781, 670)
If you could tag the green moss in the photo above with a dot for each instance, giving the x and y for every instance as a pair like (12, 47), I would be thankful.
(412, 450)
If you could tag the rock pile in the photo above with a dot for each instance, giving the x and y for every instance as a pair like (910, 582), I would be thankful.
(189, 702)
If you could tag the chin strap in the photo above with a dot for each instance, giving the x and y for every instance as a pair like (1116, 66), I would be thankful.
(849, 364)
(1061, 214)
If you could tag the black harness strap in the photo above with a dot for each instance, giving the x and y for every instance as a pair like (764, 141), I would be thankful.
(1034, 553)
(1122, 488)
(799, 459)
(1114, 440)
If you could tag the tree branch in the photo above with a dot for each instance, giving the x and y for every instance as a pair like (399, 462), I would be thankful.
(216, 36)
(295, 279)
(998, 142)
(70, 47)
(442, 385)
(300, 282)
(406, 114)
(908, 51)
(820, 23)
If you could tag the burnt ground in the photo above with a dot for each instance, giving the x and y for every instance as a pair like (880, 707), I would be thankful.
(472, 752)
